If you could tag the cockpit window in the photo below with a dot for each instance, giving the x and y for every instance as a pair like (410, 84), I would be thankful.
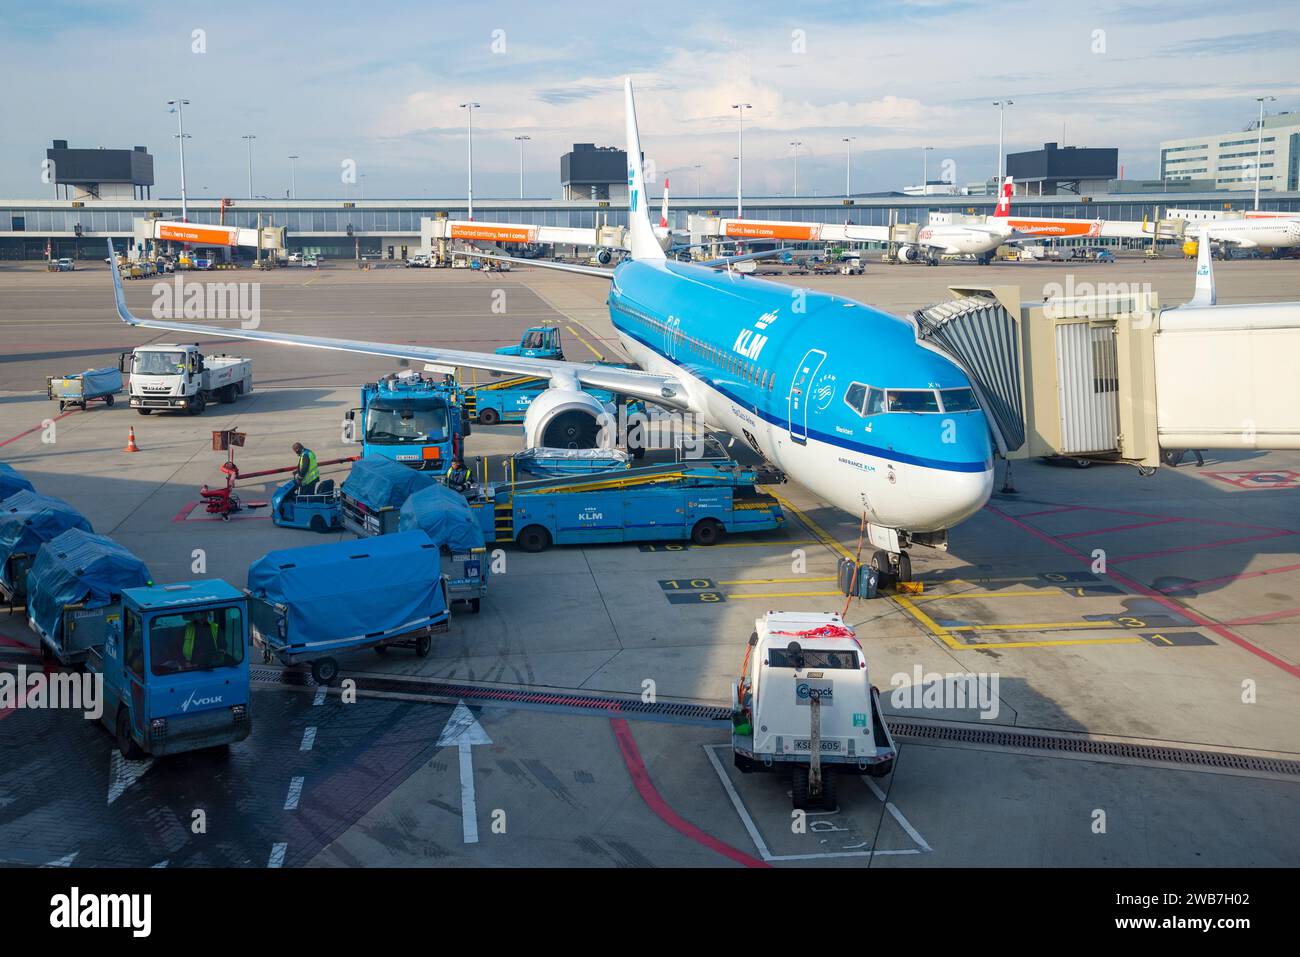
(868, 400)
(959, 400)
(855, 395)
(875, 402)
(912, 400)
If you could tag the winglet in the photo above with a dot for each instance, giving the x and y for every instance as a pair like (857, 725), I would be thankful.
(1204, 272)
(641, 236)
(1004, 200)
(123, 313)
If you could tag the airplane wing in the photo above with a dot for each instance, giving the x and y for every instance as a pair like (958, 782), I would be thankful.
(662, 390)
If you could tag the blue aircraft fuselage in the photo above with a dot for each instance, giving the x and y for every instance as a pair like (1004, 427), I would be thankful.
(817, 384)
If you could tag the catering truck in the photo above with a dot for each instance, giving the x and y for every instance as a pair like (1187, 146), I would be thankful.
(175, 669)
(804, 705)
(180, 378)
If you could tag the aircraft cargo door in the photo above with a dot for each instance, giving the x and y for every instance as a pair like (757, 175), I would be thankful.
(804, 374)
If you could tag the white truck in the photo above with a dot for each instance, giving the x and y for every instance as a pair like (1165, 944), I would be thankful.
(804, 704)
(181, 378)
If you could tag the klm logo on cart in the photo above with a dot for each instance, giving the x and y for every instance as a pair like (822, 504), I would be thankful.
(590, 515)
(199, 702)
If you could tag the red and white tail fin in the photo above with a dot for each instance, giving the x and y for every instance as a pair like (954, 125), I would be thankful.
(663, 212)
(1004, 201)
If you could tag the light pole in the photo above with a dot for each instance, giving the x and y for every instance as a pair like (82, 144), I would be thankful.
(1259, 146)
(925, 170)
(520, 141)
(796, 144)
(848, 163)
(248, 138)
(178, 107)
(293, 177)
(1002, 107)
(697, 167)
(469, 109)
(740, 109)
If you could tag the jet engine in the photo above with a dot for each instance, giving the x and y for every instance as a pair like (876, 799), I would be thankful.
(562, 418)
(910, 254)
(605, 256)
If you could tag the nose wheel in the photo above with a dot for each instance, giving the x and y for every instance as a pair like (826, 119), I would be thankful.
(891, 567)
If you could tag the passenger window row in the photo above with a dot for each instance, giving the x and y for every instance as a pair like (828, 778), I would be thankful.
(728, 362)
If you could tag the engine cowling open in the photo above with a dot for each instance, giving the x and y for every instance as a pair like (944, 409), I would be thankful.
(569, 419)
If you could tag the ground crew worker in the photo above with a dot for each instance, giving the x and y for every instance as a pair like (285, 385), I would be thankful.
(457, 475)
(193, 630)
(308, 473)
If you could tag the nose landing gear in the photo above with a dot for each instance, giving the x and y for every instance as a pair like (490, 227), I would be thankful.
(891, 567)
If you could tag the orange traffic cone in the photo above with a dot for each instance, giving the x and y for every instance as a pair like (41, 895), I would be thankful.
(130, 442)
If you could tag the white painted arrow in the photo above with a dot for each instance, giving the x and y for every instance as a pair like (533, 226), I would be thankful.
(123, 773)
(65, 861)
(464, 731)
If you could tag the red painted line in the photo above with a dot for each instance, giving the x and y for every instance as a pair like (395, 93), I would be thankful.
(1119, 528)
(21, 698)
(1139, 588)
(184, 513)
(1271, 616)
(1231, 578)
(14, 643)
(37, 428)
(641, 778)
(1054, 511)
(1193, 548)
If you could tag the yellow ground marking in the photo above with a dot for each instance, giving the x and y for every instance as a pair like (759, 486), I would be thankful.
(585, 342)
(310, 281)
(981, 595)
(822, 536)
(782, 594)
(777, 581)
(806, 541)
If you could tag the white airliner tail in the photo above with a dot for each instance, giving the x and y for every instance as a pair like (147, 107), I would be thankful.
(663, 210)
(641, 235)
(1204, 295)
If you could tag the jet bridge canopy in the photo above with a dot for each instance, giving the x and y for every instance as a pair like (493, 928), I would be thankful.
(980, 335)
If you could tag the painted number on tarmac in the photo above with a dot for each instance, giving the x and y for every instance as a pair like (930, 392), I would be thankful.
(695, 597)
(670, 547)
(1177, 639)
(686, 584)
(1062, 578)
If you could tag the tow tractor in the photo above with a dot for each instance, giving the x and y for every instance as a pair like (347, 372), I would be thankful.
(537, 342)
(804, 704)
(695, 500)
(415, 418)
(175, 669)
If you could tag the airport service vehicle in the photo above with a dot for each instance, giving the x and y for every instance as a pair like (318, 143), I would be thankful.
(167, 376)
(27, 521)
(176, 670)
(321, 511)
(66, 265)
(74, 592)
(448, 521)
(81, 388)
(698, 501)
(295, 259)
(419, 261)
(411, 417)
(374, 492)
(770, 368)
(311, 604)
(11, 480)
(538, 342)
(804, 704)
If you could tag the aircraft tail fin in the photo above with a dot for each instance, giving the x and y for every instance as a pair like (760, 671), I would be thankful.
(1204, 295)
(641, 236)
(663, 210)
(1004, 200)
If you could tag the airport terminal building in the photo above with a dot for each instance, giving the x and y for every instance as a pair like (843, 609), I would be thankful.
(36, 229)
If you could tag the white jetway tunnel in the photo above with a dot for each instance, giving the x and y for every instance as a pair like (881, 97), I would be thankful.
(1110, 375)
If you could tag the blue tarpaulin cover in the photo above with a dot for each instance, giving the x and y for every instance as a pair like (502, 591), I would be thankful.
(11, 481)
(444, 516)
(378, 482)
(350, 590)
(88, 384)
(78, 566)
(28, 519)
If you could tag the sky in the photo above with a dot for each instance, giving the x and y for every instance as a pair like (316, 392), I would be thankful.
(379, 85)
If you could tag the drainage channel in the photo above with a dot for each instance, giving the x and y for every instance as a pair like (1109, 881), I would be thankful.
(670, 711)
(1153, 753)
(684, 713)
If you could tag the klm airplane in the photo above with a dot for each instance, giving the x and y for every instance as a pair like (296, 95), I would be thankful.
(844, 398)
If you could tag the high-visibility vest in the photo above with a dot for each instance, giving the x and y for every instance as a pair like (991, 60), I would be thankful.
(187, 645)
(457, 477)
(313, 473)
